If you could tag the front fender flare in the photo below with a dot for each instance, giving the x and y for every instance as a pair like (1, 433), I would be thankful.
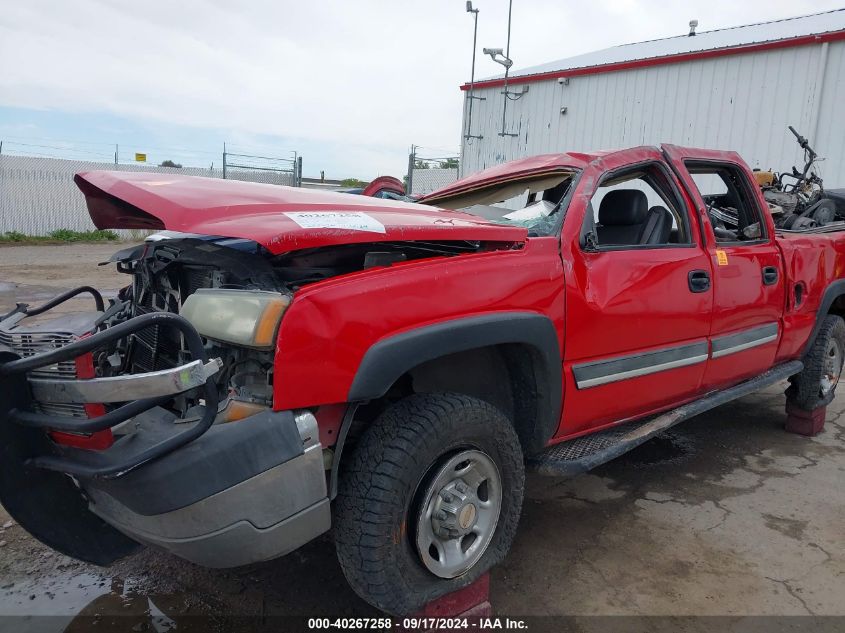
(393, 356)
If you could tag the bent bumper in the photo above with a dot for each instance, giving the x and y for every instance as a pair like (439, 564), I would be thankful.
(219, 494)
(264, 516)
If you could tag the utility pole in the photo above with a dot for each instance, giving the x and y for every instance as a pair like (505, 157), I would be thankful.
(115, 153)
(224, 160)
(411, 161)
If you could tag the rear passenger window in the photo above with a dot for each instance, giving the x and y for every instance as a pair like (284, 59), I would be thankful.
(637, 209)
(734, 217)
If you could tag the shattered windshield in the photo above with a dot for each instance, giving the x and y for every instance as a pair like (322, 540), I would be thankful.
(538, 217)
(532, 203)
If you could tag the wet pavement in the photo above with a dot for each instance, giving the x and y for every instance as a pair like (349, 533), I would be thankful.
(727, 514)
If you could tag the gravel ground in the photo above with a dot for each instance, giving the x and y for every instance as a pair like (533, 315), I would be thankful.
(34, 274)
(725, 515)
(64, 266)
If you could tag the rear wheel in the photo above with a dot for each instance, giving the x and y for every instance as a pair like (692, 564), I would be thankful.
(429, 500)
(815, 386)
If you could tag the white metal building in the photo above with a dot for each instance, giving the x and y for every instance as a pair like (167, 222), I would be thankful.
(735, 88)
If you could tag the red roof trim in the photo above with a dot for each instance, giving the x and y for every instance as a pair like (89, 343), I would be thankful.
(804, 40)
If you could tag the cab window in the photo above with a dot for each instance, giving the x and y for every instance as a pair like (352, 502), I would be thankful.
(637, 208)
(734, 217)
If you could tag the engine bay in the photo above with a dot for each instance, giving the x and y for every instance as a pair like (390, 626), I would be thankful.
(233, 291)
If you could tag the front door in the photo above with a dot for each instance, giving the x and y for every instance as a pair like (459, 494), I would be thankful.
(639, 295)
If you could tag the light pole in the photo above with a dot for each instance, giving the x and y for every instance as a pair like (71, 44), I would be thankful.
(504, 58)
(472, 96)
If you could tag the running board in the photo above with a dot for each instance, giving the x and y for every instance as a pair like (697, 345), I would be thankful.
(584, 453)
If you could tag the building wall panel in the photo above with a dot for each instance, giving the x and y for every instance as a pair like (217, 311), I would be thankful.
(831, 120)
(740, 102)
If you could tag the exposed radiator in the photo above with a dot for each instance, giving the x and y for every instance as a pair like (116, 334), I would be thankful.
(153, 348)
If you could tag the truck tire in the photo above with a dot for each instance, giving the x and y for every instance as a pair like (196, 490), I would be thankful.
(429, 500)
(815, 386)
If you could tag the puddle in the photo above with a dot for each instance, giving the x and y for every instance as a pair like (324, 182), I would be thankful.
(54, 596)
(43, 592)
(78, 602)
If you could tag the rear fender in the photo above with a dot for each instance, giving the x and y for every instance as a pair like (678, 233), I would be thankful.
(833, 292)
(47, 504)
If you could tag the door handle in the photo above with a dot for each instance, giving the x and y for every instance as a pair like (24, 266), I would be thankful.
(770, 275)
(699, 280)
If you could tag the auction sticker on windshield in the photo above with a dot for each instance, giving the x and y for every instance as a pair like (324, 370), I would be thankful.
(349, 220)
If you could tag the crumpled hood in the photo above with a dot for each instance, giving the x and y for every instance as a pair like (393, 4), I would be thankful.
(279, 218)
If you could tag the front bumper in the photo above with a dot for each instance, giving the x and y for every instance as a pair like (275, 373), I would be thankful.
(218, 494)
(261, 517)
(141, 393)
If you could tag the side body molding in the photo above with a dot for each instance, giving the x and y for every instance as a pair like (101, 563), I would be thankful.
(393, 356)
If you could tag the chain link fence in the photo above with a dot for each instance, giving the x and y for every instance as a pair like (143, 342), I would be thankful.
(271, 171)
(38, 195)
(427, 180)
(426, 174)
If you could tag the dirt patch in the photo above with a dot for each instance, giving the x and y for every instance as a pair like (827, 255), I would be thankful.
(62, 266)
(35, 274)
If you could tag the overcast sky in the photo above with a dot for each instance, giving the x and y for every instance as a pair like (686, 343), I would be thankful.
(351, 85)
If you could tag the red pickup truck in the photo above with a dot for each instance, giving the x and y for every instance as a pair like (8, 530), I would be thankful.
(284, 362)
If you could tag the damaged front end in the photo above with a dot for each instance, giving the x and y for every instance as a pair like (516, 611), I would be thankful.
(150, 419)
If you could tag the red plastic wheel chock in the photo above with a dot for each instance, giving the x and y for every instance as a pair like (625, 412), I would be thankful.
(803, 422)
(473, 601)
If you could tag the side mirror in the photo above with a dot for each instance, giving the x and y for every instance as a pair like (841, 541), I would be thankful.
(590, 242)
(589, 238)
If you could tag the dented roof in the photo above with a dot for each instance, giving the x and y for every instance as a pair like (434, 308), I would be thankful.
(520, 169)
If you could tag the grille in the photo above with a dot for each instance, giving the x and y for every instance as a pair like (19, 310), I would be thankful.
(69, 409)
(27, 345)
(30, 344)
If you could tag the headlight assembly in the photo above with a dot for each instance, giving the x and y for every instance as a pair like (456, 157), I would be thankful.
(240, 317)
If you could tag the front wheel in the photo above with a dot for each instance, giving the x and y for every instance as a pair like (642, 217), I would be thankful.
(429, 500)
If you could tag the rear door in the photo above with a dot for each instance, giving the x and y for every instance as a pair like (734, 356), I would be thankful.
(748, 284)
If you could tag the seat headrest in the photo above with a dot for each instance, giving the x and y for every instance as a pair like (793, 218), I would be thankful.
(658, 226)
(661, 211)
(623, 207)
